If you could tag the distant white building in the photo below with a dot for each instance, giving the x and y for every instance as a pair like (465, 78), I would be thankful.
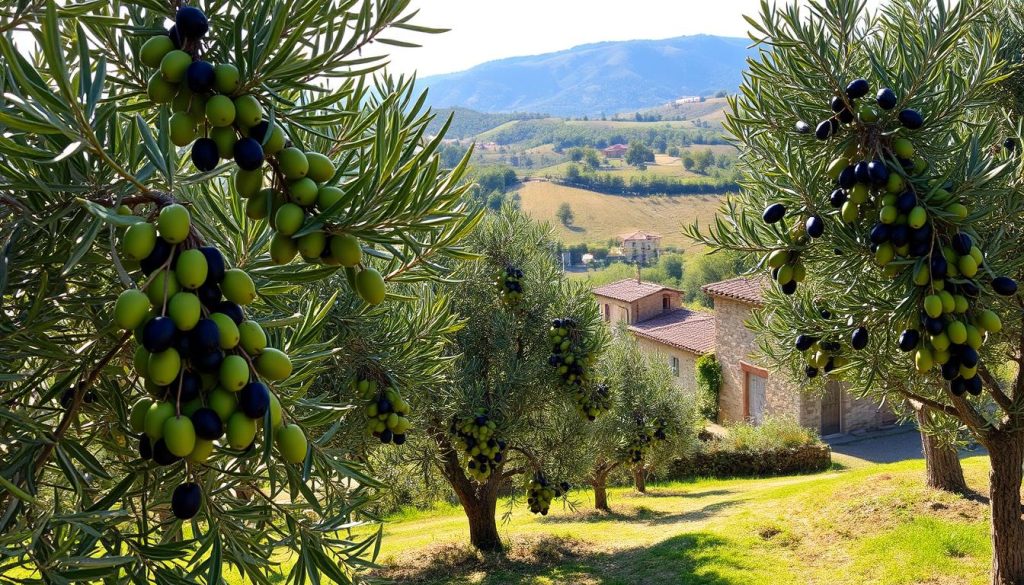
(640, 246)
(690, 99)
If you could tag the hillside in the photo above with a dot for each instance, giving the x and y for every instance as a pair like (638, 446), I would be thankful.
(602, 217)
(597, 78)
(877, 524)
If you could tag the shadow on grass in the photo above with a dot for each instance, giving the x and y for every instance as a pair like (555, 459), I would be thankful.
(641, 514)
(688, 559)
(675, 493)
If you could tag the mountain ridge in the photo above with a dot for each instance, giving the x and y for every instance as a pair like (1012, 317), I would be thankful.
(605, 77)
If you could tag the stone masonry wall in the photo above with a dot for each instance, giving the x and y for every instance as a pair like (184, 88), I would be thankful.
(652, 306)
(617, 310)
(733, 342)
(860, 414)
(686, 380)
(734, 346)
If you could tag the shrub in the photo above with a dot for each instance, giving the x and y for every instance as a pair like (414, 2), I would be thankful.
(773, 433)
(778, 446)
(708, 373)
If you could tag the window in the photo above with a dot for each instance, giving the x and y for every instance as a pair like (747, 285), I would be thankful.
(666, 303)
(607, 312)
(675, 366)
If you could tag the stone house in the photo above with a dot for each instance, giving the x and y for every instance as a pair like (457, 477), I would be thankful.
(615, 151)
(640, 246)
(749, 391)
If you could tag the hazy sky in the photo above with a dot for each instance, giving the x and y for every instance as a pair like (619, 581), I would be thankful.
(482, 30)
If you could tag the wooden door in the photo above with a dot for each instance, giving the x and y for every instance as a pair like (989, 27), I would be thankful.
(756, 398)
(831, 409)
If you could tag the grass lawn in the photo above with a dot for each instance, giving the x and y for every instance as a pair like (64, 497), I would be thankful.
(600, 217)
(874, 524)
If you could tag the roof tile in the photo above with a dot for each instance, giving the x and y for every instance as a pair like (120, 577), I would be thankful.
(743, 288)
(692, 331)
(629, 290)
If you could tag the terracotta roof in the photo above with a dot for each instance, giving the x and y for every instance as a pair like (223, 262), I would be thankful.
(743, 289)
(691, 331)
(638, 235)
(629, 290)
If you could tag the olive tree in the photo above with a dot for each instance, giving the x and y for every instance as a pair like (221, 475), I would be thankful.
(114, 166)
(890, 187)
(649, 421)
(521, 379)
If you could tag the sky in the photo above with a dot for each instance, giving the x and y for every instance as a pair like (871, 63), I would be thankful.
(483, 30)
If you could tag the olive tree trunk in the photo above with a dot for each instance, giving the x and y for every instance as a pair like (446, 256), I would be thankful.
(479, 501)
(942, 462)
(1006, 455)
(599, 481)
(601, 495)
(640, 478)
(480, 509)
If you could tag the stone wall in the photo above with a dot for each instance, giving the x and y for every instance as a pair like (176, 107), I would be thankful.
(653, 305)
(686, 380)
(734, 348)
(648, 250)
(733, 342)
(618, 311)
(860, 414)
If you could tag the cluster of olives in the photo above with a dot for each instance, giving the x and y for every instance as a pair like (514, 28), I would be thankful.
(951, 332)
(645, 435)
(476, 437)
(917, 219)
(201, 359)
(825, 355)
(861, 183)
(592, 401)
(574, 366)
(540, 492)
(822, 356)
(221, 122)
(509, 282)
(786, 268)
(867, 113)
(386, 412)
(568, 355)
(208, 111)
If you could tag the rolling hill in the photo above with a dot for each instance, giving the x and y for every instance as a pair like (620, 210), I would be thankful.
(598, 78)
(602, 217)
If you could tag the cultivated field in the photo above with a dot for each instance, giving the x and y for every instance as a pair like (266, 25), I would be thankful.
(600, 217)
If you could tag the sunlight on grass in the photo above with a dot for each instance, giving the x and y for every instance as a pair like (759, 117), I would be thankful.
(866, 525)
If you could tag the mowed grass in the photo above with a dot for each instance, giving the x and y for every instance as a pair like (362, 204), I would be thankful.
(878, 524)
(599, 217)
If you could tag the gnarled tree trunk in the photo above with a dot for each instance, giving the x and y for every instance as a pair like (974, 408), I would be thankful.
(639, 478)
(599, 481)
(601, 496)
(480, 508)
(1006, 454)
(479, 502)
(942, 462)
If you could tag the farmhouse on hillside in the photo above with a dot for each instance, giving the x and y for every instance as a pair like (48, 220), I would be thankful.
(655, 316)
(640, 246)
(615, 151)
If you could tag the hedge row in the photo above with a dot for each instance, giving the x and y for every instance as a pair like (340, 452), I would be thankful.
(640, 186)
(726, 463)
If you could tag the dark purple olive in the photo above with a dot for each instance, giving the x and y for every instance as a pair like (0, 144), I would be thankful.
(857, 88)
